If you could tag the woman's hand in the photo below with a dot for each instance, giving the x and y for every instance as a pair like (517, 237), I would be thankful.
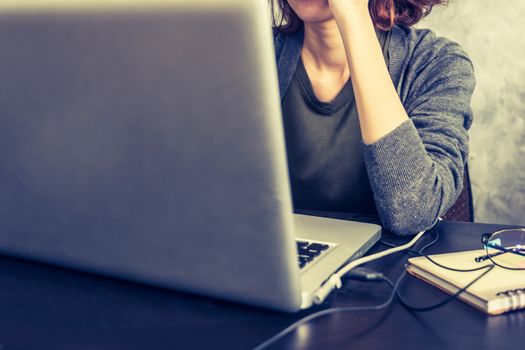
(344, 10)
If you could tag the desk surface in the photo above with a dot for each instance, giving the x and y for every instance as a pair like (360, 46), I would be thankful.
(44, 307)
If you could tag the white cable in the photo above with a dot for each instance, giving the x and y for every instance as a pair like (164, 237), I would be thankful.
(335, 280)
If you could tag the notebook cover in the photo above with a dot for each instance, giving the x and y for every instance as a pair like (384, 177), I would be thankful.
(484, 293)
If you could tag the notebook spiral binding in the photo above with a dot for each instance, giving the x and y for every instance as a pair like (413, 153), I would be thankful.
(510, 294)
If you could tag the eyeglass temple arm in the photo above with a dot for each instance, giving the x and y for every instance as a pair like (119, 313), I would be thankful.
(485, 239)
(486, 257)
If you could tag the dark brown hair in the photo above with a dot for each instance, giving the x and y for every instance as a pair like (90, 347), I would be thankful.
(385, 13)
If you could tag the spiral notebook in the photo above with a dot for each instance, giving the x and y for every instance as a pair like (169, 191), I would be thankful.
(500, 290)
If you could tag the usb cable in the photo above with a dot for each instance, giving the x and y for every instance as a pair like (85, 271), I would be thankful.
(334, 282)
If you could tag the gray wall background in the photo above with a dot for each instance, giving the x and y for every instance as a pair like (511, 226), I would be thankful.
(491, 32)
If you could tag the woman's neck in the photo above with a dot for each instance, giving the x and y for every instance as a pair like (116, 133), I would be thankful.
(323, 48)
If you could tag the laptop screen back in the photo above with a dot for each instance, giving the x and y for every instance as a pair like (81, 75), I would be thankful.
(146, 143)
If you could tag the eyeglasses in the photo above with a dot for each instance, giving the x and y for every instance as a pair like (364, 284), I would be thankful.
(505, 248)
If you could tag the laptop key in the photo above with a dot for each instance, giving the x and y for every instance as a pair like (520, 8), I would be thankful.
(318, 247)
(308, 251)
(302, 244)
(314, 253)
(304, 252)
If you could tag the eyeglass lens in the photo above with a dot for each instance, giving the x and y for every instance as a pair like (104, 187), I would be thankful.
(506, 248)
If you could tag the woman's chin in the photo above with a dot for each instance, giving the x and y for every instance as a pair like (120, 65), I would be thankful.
(316, 19)
(312, 11)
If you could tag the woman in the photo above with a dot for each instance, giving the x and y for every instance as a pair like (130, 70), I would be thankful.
(375, 113)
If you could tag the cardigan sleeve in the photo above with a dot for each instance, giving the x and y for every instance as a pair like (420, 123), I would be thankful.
(416, 171)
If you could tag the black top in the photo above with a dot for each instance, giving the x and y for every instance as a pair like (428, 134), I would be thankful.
(323, 140)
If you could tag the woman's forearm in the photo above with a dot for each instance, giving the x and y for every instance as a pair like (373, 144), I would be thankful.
(379, 106)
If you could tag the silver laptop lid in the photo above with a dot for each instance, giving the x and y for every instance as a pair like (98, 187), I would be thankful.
(143, 139)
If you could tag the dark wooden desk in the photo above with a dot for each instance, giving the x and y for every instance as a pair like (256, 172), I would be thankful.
(43, 307)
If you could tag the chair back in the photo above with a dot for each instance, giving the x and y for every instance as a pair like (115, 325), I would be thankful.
(463, 208)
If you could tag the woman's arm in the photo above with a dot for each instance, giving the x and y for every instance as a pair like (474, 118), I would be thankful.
(380, 109)
(415, 165)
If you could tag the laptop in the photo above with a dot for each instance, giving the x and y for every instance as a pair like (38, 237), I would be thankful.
(143, 140)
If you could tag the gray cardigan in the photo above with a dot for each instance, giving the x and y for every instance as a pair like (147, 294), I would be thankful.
(416, 171)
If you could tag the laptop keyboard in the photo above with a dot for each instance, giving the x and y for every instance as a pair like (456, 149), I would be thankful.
(308, 251)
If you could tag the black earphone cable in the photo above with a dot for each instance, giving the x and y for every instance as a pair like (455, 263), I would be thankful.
(394, 294)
